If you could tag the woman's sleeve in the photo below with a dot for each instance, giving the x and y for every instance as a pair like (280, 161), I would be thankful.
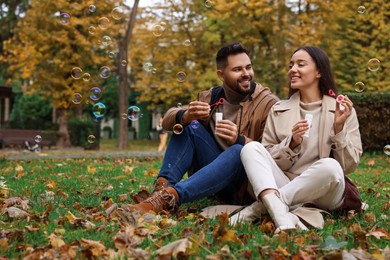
(279, 149)
(347, 145)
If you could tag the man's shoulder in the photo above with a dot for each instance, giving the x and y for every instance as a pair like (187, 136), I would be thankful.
(262, 92)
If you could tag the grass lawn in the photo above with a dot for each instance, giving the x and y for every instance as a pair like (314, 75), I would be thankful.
(67, 209)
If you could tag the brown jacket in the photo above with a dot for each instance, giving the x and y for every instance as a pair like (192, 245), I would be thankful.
(250, 119)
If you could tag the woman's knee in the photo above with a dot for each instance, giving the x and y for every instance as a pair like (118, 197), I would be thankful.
(330, 167)
(252, 148)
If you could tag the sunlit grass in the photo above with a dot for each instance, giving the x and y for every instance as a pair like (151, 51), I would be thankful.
(84, 187)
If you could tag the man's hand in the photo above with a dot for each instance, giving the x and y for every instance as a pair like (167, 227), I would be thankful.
(227, 130)
(196, 110)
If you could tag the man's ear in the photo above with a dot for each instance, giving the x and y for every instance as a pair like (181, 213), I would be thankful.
(220, 75)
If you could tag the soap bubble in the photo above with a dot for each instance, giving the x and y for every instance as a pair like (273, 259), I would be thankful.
(133, 113)
(92, 29)
(181, 76)
(103, 23)
(178, 129)
(374, 64)
(148, 66)
(92, 8)
(77, 97)
(95, 93)
(64, 18)
(195, 124)
(386, 149)
(99, 110)
(208, 3)
(123, 63)
(38, 138)
(187, 43)
(117, 13)
(361, 9)
(86, 77)
(76, 73)
(360, 87)
(158, 30)
(91, 139)
(105, 72)
(106, 40)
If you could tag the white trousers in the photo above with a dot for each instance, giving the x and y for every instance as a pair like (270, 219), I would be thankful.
(322, 184)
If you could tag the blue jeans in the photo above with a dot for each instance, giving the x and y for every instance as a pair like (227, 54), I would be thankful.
(215, 171)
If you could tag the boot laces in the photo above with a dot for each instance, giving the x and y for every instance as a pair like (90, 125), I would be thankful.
(162, 200)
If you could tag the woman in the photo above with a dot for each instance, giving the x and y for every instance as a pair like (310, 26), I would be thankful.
(290, 167)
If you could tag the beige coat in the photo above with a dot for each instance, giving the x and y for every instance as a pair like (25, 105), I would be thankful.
(345, 147)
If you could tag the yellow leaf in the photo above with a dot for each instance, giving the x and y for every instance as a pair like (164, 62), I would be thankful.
(91, 170)
(56, 241)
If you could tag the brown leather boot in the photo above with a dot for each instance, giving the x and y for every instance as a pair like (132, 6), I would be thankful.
(160, 184)
(163, 200)
(142, 195)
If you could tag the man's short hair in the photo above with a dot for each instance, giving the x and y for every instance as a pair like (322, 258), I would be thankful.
(230, 49)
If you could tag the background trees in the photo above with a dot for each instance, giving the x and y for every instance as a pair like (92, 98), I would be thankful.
(172, 50)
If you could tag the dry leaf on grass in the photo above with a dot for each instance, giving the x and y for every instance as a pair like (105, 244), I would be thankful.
(13, 212)
(178, 247)
(55, 241)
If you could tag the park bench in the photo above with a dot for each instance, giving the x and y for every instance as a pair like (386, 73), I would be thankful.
(18, 137)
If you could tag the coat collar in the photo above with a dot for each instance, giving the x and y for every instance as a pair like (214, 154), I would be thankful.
(328, 103)
(326, 121)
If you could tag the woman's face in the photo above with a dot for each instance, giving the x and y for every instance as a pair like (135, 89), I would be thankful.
(303, 71)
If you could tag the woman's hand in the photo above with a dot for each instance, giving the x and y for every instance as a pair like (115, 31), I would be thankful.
(341, 116)
(298, 130)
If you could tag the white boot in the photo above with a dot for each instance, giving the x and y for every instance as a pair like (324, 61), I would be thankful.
(248, 214)
(280, 214)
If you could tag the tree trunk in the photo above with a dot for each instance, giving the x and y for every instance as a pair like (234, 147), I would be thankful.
(63, 132)
(123, 79)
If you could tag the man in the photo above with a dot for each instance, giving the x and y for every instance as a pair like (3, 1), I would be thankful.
(210, 150)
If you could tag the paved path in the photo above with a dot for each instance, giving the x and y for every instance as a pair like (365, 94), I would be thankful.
(74, 153)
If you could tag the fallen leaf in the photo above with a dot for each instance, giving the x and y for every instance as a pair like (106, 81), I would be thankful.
(91, 170)
(122, 197)
(32, 229)
(175, 248)
(371, 162)
(56, 241)
(14, 212)
(331, 243)
(370, 217)
(223, 234)
(378, 235)
(96, 248)
(128, 169)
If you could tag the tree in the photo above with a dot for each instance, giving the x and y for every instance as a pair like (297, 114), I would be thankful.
(123, 46)
(56, 40)
(364, 37)
(10, 13)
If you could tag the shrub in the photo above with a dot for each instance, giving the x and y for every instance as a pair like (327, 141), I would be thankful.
(80, 128)
(31, 112)
(373, 110)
